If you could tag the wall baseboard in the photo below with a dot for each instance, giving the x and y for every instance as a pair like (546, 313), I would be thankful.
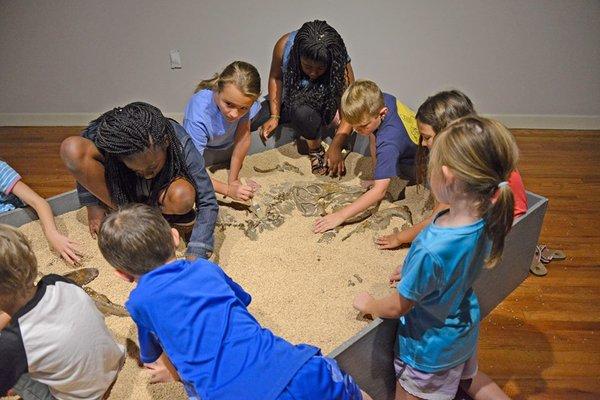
(576, 122)
(572, 122)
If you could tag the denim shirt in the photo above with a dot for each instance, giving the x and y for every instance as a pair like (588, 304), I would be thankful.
(202, 239)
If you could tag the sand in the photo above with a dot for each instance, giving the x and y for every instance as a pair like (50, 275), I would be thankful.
(302, 289)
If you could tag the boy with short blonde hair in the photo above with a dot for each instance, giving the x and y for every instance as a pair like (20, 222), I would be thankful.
(53, 340)
(393, 137)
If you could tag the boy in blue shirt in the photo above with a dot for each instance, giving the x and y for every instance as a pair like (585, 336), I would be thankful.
(393, 136)
(197, 316)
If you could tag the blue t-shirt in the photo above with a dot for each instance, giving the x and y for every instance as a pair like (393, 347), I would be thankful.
(198, 315)
(394, 146)
(205, 124)
(8, 179)
(441, 330)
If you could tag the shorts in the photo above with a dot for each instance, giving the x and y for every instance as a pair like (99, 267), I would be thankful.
(321, 378)
(441, 385)
(30, 389)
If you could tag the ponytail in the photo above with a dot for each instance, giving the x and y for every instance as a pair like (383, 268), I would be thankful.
(211, 83)
(498, 221)
(243, 75)
(482, 154)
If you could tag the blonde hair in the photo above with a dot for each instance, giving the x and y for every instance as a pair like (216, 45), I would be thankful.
(361, 100)
(18, 265)
(243, 75)
(481, 153)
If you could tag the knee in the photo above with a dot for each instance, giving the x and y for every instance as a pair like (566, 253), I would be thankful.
(72, 152)
(307, 120)
(179, 198)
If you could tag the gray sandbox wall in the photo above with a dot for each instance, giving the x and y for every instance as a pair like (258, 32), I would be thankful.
(368, 355)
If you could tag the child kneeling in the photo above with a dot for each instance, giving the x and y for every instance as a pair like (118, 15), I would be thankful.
(197, 316)
(56, 345)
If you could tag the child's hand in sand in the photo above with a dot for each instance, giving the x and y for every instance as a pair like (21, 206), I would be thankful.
(96, 215)
(64, 246)
(239, 191)
(362, 302)
(396, 275)
(268, 128)
(162, 370)
(392, 241)
(327, 222)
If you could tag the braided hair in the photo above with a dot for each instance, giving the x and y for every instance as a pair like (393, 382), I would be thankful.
(319, 42)
(133, 129)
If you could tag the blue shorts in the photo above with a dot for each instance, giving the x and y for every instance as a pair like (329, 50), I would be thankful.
(321, 378)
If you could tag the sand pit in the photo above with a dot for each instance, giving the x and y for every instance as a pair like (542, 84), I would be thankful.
(302, 289)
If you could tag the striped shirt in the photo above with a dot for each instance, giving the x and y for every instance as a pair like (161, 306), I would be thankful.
(8, 179)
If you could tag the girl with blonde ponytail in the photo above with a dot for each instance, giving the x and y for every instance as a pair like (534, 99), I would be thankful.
(217, 118)
(469, 165)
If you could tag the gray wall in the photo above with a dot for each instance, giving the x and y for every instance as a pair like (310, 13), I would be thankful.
(535, 57)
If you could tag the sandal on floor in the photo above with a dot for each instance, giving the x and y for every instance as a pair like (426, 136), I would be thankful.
(537, 267)
(318, 165)
(547, 254)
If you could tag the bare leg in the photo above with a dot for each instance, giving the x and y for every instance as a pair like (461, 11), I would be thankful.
(402, 394)
(481, 387)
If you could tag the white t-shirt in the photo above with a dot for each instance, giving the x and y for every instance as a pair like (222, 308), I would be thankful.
(60, 339)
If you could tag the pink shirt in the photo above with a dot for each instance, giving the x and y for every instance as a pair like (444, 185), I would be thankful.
(516, 184)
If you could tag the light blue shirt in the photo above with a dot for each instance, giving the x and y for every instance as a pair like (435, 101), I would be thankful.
(8, 179)
(205, 124)
(441, 330)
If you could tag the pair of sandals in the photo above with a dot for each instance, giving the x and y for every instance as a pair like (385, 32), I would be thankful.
(543, 255)
(318, 164)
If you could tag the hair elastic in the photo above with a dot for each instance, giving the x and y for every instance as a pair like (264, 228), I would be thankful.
(502, 184)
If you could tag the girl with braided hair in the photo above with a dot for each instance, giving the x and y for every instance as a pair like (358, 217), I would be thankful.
(217, 117)
(310, 70)
(134, 154)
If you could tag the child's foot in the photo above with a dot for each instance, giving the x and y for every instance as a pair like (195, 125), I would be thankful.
(318, 165)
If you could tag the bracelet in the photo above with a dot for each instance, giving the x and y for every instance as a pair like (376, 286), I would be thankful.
(275, 116)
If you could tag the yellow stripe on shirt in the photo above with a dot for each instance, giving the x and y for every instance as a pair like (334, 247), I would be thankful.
(409, 121)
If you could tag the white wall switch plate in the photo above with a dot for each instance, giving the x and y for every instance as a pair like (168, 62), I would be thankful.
(175, 59)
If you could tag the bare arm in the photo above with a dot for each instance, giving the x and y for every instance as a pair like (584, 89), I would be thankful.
(334, 158)
(234, 187)
(275, 87)
(391, 306)
(62, 244)
(162, 370)
(408, 235)
(241, 144)
(372, 196)
(86, 164)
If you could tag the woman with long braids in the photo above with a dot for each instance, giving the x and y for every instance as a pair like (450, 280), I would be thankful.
(310, 70)
(135, 154)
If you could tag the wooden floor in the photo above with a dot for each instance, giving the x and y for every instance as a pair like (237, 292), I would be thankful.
(543, 341)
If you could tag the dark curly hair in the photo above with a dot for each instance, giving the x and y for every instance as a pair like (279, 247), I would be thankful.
(319, 42)
(132, 129)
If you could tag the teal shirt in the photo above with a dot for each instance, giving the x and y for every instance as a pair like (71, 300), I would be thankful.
(441, 330)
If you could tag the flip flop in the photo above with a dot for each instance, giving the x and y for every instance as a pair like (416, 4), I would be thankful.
(547, 254)
(537, 267)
